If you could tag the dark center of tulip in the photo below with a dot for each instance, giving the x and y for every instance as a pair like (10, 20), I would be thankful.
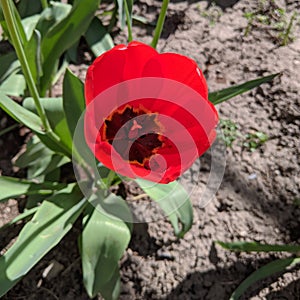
(134, 133)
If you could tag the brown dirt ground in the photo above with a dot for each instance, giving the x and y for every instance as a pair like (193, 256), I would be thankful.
(256, 199)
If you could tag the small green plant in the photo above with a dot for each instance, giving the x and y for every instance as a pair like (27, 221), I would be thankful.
(286, 35)
(271, 18)
(229, 130)
(254, 140)
(231, 133)
(213, 14)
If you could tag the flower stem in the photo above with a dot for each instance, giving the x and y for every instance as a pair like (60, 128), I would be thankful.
(128, 20)
(160, 23)
(44, 4)
(14, 34)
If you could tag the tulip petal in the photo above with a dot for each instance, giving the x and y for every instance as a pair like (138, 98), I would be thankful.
(116, 65)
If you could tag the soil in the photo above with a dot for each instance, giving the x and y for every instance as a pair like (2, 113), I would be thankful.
(257, 198)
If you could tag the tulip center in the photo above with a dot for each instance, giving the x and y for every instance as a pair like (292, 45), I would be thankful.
(134, 133)
(134, 130)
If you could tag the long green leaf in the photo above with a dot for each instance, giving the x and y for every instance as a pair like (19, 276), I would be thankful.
(1, 15)
(174, 201)
(271, 268)
(34, 56)
(102, 243)
(73, 99)
(63, 35)
(21, 114)
(98, 39)
(258, 247)
(49, 225)
(74, 103)
(51, 16)
(122, 12)
(18, 23)
(226, 94)
(12, 187)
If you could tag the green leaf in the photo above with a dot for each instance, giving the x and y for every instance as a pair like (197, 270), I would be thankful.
(116, 207)
(11, 187)
(53, 219)
(35, 151)
(63, 35)
(42, 165)
(34, 56)
(271, 268)
(46, 165)
(74, 103)
(56, 117)
(39, 160)
(258, 247)
(1, 14)
(18, 23)
(29, 25)
(103, 241)
(174, 201)
(111, 289)
(226, 94)
(73, 99)
(29, 41)
(14, 85)
(142, 20)
(122, 13)
(52, 15)
(98, 39)
(21, 114)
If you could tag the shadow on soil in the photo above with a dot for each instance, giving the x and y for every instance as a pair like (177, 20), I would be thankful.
(221, 282)
(283, 213)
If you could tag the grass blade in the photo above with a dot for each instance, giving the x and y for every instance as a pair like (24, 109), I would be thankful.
(226, 94)
(278, 265)
(258, 247)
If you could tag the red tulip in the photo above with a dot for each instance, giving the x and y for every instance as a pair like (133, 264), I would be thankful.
(148, 114)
